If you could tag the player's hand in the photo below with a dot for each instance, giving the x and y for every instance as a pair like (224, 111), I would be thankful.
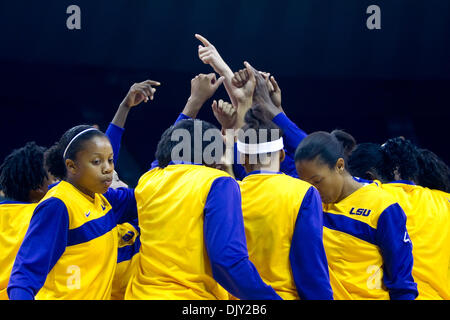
(262, 96)
(244, 83)
(225, 113)
(208, 54)
(142, 91)
(273, 87)
(203, 86)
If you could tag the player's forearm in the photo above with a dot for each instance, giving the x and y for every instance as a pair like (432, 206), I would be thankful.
(121, 115)
(226, 72)
(242, 107)
(192, 107)
(114, 134)
(292, 134)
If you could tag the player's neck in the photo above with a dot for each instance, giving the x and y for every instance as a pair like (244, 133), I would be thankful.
(272, 166)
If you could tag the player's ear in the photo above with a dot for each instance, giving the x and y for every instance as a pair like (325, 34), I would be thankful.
(71, 166)
(340, 166)
(282, 155)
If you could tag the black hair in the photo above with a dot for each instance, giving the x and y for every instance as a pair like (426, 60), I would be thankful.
(329, 147)
(54, 156)
(366, 161)
(22, 171)
(167, 143)
(255, 118)
(400, 155)
(433, 171)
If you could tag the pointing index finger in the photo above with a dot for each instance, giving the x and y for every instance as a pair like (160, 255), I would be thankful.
(153, 82)
(203, 40)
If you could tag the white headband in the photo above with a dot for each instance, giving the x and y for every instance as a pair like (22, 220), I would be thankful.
(258, 148)
(73, 139)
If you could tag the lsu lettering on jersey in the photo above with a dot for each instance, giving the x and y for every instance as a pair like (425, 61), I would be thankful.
(192, 237)
(284, 227)
(70, 248)
(428, 223)
(368, 248)
(14, 220)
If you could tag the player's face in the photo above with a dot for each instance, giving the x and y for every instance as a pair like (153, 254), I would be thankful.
(328, 181)
(94, 166)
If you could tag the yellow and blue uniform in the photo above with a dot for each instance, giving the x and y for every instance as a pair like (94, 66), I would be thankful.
(193, 242)
(283, 222)
(368, 248)
(51, 262)
(70, 248)
(129, 245)
(128, 233)
(14, 220)
(428, 223)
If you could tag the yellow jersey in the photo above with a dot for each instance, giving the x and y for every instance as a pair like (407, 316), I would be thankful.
(14, 220)
(192, 238)
(368, 248)
(428, 223)
(70, 248)
(283, 222)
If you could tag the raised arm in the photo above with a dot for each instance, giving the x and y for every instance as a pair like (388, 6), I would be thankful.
(208, 54)
(139, 92)
(203, 87)
(232, 117)
(268, 97)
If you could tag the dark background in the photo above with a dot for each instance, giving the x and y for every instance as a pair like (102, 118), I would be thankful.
(333, 71)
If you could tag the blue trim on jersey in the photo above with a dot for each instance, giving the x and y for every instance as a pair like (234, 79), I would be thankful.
(396, 249)
(288, 165)
(350, 226)
(127, 252)
(292, 134)
(226, 244)
(307, 254)
(238, 168)
(123, 204)
(92, 229)
(264, 172)
(404, 182)
(114, 134)
(184, 162)
(16, 293)
(13, 202)
(53, 185)
(361, 180)
(182, 116)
